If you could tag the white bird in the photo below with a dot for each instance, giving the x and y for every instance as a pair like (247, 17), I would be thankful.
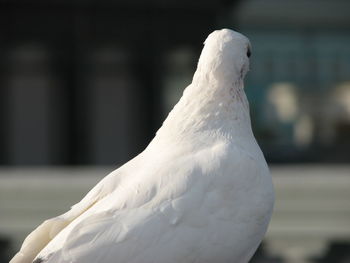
(200, 192)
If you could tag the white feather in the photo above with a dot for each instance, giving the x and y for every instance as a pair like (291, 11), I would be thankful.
(200, 192)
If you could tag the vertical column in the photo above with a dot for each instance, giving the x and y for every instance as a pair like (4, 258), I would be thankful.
(3, 105)
(29, 87)
(112, 92)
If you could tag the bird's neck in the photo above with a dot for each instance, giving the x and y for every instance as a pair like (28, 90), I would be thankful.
(208, 105)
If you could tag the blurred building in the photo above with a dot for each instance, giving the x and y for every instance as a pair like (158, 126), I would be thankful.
(89, 82)
(300, 70)
(82, 81)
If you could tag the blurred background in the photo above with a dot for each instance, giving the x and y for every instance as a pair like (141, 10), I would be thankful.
(84, 85)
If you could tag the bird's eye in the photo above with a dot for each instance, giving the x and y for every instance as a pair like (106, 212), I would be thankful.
(248, 52)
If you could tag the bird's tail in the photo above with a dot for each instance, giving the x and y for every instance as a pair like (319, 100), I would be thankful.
(44, 233)
(38, 239)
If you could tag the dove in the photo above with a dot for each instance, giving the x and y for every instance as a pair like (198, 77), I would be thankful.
(201, 191)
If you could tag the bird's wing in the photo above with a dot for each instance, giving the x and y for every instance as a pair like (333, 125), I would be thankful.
(120, 223)
(45, 232)
(126, 211)
(167, 218)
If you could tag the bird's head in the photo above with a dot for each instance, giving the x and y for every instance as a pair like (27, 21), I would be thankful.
(225, 56)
